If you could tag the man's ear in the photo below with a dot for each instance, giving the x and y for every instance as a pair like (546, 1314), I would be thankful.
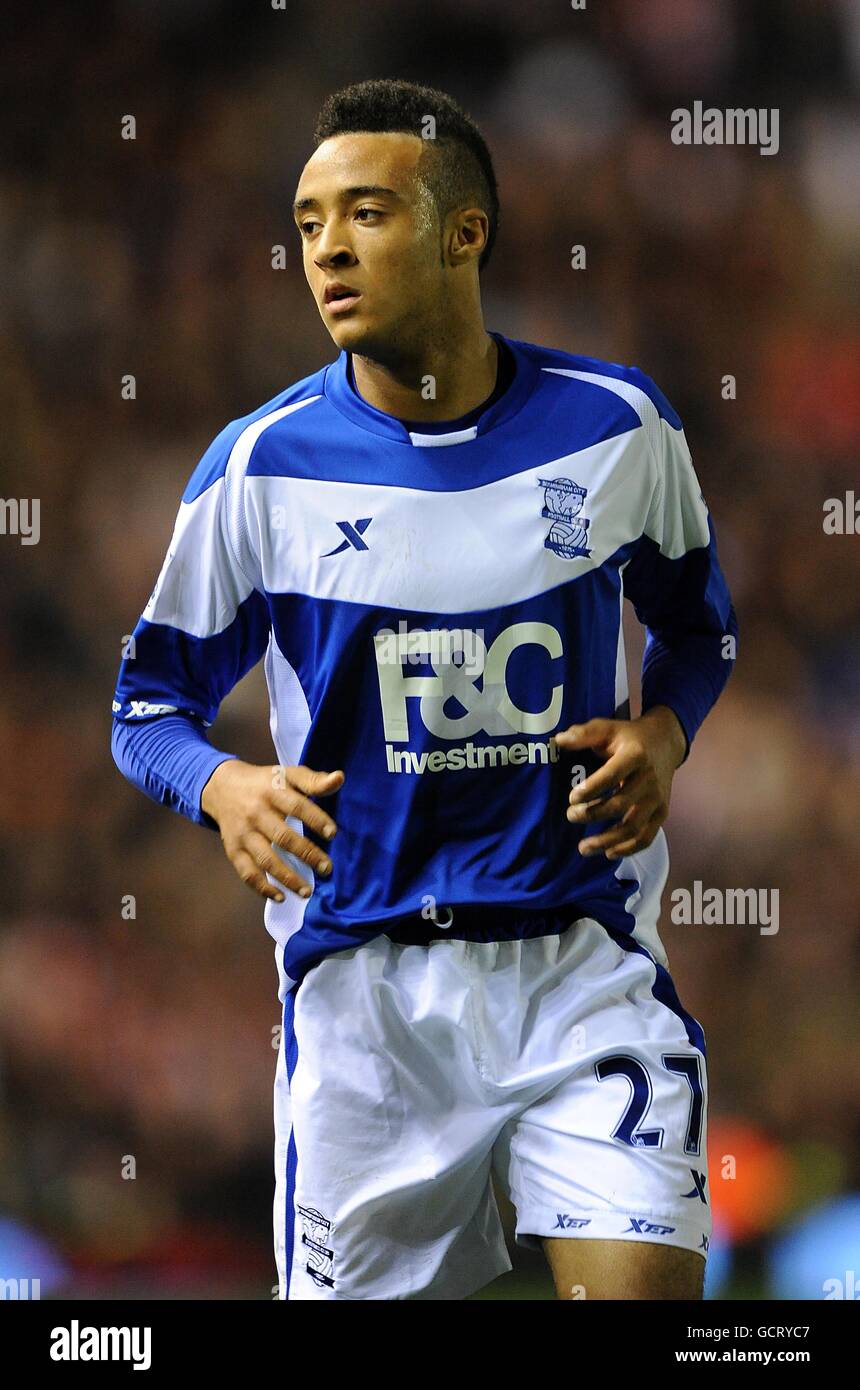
(468, 236)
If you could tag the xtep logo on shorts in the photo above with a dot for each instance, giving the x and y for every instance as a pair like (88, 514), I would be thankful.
(700, 1182)
(642, 1227)
(467, 694)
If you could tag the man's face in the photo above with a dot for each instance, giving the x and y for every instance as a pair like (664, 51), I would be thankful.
(368, 224)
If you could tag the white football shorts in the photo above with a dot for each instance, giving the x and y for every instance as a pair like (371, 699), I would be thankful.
(409, 1073)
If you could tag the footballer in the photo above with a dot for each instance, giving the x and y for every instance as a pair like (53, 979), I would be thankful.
(428, 542)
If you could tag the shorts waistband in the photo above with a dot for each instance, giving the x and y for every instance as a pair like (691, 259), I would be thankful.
(483, 922)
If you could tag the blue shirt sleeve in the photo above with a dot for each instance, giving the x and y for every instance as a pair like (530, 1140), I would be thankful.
(680, 595)
(205, 626)
(170, 760)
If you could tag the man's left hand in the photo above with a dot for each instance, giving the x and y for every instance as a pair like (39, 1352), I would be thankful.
(642, 756)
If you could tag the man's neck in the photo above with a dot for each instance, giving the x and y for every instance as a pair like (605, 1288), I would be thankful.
(461, 379)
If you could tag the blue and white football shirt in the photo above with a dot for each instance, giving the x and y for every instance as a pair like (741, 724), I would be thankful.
(433, 607)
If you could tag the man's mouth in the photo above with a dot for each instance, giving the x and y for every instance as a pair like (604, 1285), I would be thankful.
(339, 297)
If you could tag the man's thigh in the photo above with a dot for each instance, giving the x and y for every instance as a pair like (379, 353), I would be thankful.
(620, 1269)
(383, 1144)
(608, 1167)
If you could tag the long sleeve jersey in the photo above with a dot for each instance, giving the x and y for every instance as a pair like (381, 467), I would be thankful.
(432, 605)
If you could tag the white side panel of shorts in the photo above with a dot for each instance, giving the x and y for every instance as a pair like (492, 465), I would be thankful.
(283, 1131)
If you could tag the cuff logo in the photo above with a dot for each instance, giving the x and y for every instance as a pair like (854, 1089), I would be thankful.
(142, 709)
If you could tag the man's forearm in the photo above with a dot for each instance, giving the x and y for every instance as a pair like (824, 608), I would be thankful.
(687, 673)
(169, 759)
(665, 718)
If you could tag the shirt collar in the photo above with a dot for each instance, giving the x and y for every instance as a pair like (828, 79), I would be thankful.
(342, 396)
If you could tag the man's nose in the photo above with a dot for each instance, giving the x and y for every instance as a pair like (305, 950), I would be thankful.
(332, 249)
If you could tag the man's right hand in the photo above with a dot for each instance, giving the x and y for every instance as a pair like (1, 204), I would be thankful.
(248, 804)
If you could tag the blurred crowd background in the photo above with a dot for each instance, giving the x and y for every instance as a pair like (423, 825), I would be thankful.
(143, 1043)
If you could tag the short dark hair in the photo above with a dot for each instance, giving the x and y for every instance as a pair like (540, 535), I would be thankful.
(459, 169)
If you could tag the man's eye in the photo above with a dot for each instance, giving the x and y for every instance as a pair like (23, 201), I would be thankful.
(306, 226)
(369, 212)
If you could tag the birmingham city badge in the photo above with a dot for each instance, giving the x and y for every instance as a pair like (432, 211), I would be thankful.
(563, 502)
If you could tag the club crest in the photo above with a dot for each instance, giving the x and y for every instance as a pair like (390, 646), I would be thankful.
(562, 503)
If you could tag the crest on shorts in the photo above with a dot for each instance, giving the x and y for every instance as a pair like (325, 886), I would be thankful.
(316, 1238)
(563, 501)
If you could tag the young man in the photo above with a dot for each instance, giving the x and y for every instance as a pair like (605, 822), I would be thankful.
(430, 540)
